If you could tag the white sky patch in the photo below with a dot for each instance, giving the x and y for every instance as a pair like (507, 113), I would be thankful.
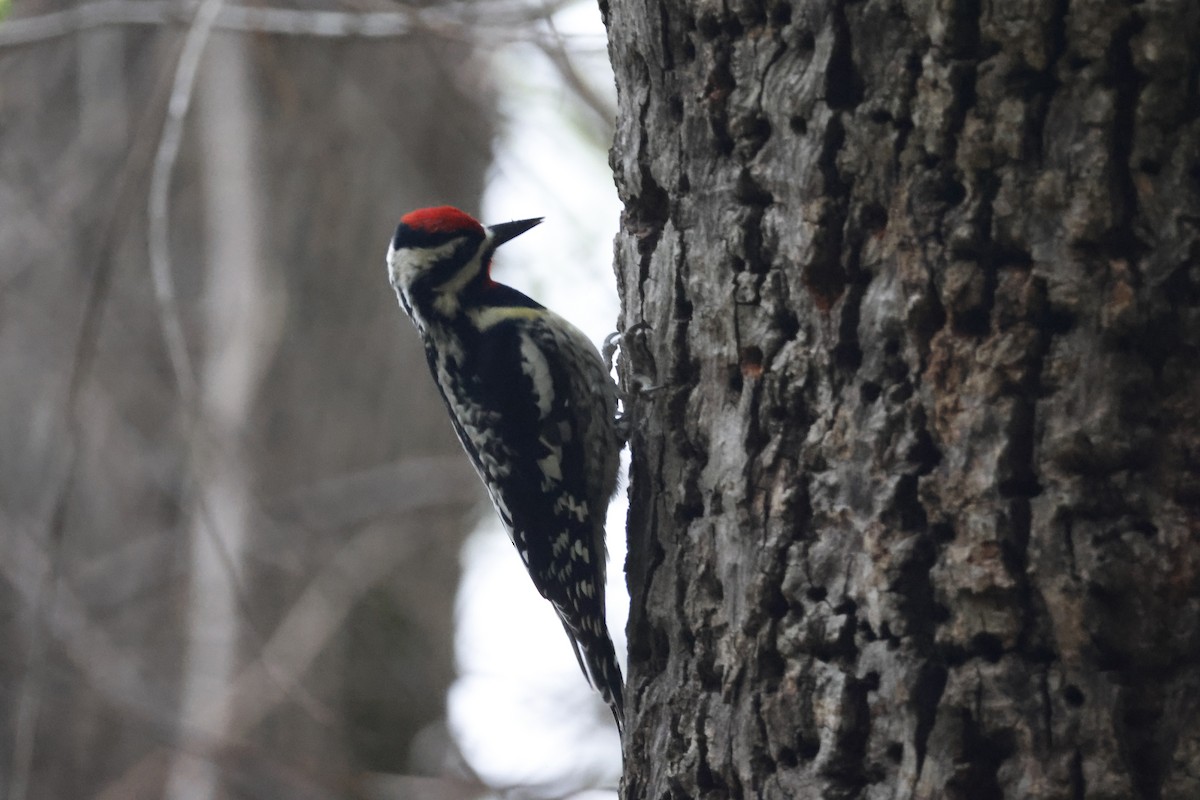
(521, 710)
(545, 166)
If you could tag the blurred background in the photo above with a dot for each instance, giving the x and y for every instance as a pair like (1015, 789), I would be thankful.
(241, 553)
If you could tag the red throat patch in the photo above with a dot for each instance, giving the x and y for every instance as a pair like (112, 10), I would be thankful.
(441, 219)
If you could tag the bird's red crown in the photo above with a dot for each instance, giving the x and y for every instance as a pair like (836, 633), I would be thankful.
(441, 219)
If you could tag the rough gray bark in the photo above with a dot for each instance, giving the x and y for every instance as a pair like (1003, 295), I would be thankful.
(916, 512)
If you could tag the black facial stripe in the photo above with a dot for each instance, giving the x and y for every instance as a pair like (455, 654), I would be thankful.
(436, 274)
(406, 237)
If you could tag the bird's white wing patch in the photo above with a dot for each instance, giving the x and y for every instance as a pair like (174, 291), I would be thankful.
(534, 364)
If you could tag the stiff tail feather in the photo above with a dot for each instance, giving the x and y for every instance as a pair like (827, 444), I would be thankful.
(598, 660)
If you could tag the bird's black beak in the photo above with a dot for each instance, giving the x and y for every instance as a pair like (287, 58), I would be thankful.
(510, 230)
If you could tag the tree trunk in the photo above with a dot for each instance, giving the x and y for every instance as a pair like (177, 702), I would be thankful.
(915, 511)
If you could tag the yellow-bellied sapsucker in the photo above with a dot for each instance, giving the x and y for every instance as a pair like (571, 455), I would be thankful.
(534, 407)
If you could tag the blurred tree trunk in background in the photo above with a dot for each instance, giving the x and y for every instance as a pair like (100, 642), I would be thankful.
(917, 511)
(315, 437)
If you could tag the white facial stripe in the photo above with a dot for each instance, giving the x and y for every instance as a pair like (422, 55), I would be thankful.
(407, 265)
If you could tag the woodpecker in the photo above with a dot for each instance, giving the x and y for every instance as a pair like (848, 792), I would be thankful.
(534, 407)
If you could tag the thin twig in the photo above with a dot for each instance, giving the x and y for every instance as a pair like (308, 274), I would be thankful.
(27, 30)
(456, 21)
(555, 49)
(159, 208)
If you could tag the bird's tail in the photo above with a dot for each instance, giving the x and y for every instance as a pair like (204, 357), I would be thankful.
(598, 660)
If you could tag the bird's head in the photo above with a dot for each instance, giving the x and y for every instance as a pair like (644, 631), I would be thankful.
(436, 253)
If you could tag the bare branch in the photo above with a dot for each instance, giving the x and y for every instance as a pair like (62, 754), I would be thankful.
(26, 30)
(159, 205)
(455, 21)
(555, 48)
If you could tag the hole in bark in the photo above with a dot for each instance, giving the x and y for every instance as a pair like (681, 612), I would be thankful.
(689, 50)
(874, 218)
(927, 317)
(953, 192)
(688, 512)
(806, 43)
(942, 532)
(733, 27)
(735, 379)
(869, 392)
(1073, 696)
(1058, 321)
(709, 674)
(789, 325)
(907, 505)
(651, 646)
(987, 646)
(895, 752)
(770, 669)
(781, 14)
(709, 26)
(754, 132)
(807, 749)
(685, 184)
(675, 107)
(871, 681)
(1041, 654)
(924, 453)
(974, 322)
(880, 116)
(847, 356)
(705, 781)
(816, 593)
(843, 85)
(683, 308)
(775, 604)
(750, 191)
(926, 695)
(798, 124)
(787, 758)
